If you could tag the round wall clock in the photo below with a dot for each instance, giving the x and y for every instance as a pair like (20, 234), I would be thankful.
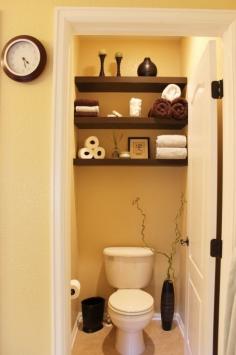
(23, 58)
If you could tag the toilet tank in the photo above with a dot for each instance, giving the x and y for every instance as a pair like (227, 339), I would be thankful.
(128, 267)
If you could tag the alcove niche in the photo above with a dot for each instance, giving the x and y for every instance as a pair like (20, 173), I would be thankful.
(102, 211)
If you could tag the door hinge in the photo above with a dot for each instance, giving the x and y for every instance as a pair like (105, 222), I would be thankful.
(217, 91)
(216, 248)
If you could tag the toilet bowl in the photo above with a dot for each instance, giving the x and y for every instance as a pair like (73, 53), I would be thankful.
(130, 310)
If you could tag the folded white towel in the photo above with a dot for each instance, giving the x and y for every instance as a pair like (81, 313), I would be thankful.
(171, 92)
(87, 108)
(171, 140)
(171, 153)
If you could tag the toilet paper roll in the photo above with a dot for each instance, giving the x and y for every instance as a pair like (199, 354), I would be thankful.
(91, 142)
(74, 289)
(85, 153)
(99, 153)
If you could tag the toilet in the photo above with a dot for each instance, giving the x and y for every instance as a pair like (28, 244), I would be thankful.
(129, 269)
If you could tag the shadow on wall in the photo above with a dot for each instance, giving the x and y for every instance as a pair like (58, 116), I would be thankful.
(103, 288)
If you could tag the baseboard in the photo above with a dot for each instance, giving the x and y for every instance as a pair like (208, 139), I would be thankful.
(156, 316)
(180, 324)
(75, 329)
(177, 318)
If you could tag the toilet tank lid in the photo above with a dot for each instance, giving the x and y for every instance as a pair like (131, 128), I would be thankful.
(128, 251)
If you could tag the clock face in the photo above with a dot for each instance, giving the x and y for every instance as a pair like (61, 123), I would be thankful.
(23, 58)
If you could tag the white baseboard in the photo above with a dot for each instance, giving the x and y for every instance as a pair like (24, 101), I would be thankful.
(180, 324)
(75, 330)
(156, 316)
(177, 318)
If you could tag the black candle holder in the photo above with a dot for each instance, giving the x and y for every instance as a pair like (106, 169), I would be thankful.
(118, 61)
(102, 58)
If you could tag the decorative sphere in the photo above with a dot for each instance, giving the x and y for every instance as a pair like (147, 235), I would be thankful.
(102, 51)
(118, 54)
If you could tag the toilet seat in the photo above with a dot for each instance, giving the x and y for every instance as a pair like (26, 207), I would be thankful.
(130, 302)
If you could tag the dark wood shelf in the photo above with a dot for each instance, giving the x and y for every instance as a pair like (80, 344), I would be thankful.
(128, 122)
(131, 162)
(127, 84)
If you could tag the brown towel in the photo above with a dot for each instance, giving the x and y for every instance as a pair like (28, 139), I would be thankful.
(86, 114)
(86, 102)
(179, 109)
(161, 107)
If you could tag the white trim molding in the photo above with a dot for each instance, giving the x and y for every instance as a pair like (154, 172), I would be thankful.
(229, 171)
(75, 329)
(71, 21)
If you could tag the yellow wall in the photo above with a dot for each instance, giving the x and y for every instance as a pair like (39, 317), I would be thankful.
(105, 216)
(25, 177)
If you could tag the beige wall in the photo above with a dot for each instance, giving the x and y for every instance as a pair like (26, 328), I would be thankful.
(25, 177)
(105, 215)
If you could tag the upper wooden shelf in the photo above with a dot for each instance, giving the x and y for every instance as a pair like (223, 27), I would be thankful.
(127, 83)
(128, 122)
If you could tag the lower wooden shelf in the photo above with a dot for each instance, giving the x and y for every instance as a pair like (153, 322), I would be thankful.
(131, 162)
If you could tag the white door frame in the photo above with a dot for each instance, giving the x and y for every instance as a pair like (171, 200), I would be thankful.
(70, 21)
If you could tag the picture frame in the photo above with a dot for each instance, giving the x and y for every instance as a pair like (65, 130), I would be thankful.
(139, 147)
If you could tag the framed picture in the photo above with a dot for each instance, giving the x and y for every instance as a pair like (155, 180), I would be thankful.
(139, 147)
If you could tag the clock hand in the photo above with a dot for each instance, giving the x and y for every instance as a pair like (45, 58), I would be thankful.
(25, 61)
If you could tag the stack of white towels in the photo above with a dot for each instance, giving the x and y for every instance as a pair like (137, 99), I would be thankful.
(171, 147)
(91, 149)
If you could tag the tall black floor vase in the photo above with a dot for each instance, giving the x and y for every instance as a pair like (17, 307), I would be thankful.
(167, 304)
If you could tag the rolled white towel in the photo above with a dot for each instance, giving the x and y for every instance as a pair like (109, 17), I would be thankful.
(171, 140)
(87, 108)
(171, 153)
(171, 92)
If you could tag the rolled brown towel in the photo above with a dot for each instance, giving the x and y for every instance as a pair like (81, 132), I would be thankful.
(86, 102)
(161, 107)
(179, 109)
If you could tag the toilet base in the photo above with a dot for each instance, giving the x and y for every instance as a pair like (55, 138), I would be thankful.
(129, 343)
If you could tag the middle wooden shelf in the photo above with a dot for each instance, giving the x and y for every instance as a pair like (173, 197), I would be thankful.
(128, 122)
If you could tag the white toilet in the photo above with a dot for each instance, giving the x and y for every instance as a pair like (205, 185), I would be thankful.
(129, 269)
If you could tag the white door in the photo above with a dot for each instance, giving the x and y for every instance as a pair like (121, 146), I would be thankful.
(202, 204)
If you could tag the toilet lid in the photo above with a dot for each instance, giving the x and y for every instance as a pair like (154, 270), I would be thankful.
(130, 301)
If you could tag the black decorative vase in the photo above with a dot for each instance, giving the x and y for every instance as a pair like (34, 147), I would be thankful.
(147, 68)
(167, 304)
